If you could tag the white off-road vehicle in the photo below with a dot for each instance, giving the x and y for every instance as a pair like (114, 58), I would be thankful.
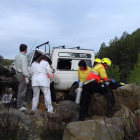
(65, 63)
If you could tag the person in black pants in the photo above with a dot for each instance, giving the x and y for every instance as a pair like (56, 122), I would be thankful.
(94, 84)
(53, 94)
(88, 90)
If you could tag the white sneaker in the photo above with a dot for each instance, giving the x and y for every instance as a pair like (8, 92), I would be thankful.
(22, 108)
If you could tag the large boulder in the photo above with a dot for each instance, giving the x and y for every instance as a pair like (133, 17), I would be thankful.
(128, 95)
(98, 106)
(130, 122)
(94, 130)
(67, 110)
(123, 125)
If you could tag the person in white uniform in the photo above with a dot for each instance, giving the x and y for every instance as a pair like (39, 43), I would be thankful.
(39, 70)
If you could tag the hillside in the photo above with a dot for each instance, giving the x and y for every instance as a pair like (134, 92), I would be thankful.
(122, 51)
(6, 62)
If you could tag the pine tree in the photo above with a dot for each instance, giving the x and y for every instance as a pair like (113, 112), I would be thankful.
(114, 72)
(1, 59)
(134, 77)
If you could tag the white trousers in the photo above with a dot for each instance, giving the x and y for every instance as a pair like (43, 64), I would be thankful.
(47, 95)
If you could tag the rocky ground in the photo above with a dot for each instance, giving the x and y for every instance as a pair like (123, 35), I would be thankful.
(100, 125)
(35, 121)
(122, 125)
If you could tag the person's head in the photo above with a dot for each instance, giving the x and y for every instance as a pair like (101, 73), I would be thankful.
(97, 61)
(82, 65)
(42, 57)
(23, 48)
(106, 62)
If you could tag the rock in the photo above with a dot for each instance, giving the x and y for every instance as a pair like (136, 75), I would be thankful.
(38, 114)
(128, 95)
(137, 112)
(96, 118)
(70, 105)
(94, 130)
(27, 121)
(68, 111)
(38, 117)
(54, 117)
(59, 96)
(98, 106)
(1, 105)
(130, 122)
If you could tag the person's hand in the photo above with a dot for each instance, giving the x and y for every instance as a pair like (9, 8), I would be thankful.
(53, 70)
(113, 81)
(27, 80)
(78, 81)
(81, 84)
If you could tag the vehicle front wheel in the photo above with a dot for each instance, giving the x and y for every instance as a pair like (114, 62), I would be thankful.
(73, 91)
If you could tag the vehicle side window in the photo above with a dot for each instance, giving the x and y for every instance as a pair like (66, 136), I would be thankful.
(77, 55)
(70, 64)
(64, 64)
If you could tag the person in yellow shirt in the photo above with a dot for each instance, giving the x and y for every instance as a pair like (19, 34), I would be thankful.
(93, 84)
(83, 72)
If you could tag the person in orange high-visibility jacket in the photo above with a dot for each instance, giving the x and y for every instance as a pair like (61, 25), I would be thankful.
(93, 84)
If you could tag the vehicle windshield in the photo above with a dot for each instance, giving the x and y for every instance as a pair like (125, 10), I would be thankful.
(29, 57)
(32, 56)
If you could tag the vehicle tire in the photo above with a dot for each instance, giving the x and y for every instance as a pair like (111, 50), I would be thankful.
(73, 90)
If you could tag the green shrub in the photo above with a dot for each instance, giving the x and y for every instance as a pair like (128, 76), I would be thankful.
(114, 72)
(134, 77)
(10, 127)
(52, 131)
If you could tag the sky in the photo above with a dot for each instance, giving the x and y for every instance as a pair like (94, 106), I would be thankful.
(64, 22)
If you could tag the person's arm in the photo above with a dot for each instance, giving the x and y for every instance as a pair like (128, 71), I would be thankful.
(78, 77)
(104, 76)
(24, 66)
(25, 69)
(108, 80)
(48, 70)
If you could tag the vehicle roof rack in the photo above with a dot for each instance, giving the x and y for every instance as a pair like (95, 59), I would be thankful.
(78, 47)
(59, 47)
(45, 46)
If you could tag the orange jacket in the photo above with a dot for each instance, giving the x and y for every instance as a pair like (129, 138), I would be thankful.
(97, 73)
(52, 73)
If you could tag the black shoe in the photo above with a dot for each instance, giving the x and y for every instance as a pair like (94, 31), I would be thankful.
(83, 118)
